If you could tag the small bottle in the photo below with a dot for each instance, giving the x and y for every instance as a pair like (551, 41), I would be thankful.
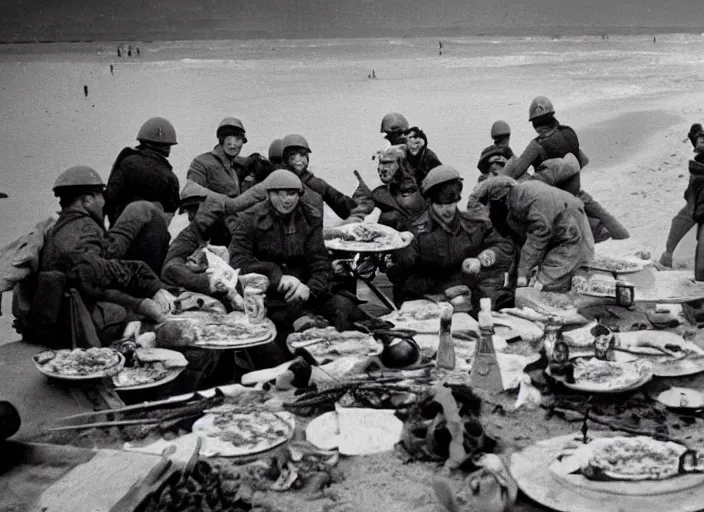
(446, 348)
(485, 373)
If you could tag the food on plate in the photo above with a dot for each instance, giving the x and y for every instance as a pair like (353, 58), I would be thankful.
(77, 362)
(535, 305)
(505, 325)
(232, 430)
(150, 366)
(598, 375)
(213, 329)
(600, 285)
(328, 342)
(360, 237)
(631, 458)
(616, 265)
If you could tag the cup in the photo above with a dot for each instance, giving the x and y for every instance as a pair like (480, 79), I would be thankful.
(254, 306)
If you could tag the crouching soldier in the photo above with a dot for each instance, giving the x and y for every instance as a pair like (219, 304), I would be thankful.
(282, 238)
(451, 248)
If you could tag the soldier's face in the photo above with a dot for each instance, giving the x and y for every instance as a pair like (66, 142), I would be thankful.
(95, 203)
(232, 145)
(298, 161)
(445, 211)
(284, 201)
(414, 143)
(699, 146)
(387, 169)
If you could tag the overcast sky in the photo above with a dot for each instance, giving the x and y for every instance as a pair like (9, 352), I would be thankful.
(115, 19)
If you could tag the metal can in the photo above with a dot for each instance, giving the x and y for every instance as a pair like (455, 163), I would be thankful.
(625, 294)
(254, 304)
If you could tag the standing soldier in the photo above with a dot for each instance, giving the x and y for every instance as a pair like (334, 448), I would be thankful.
(393, 125)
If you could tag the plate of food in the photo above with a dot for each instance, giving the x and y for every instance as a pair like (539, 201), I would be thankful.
(328, 342)
(231, 431)
(215, 331)
(617, 265)
(423, 317)
(79, 364)
(365, 237)
(150, 368)
(592, 375)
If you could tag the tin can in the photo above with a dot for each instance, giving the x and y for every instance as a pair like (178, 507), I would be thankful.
(254, 304)
(625, 294)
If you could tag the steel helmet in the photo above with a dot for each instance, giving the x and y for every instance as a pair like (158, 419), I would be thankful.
(440, 174)
(233, 124)
(276, 150)
(159, 130)
(294, 140)
(393, 153)
(78, 176)
(500, 129)
(282, 179)
(394, 122)
(540, 106)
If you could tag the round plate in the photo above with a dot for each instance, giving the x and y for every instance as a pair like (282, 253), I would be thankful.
(216, 447)
(612, 265)
(681, 398)
(337, 244)
(108, 371)
(535, 476)
(253, 342)
(170, 376)
(646, 375)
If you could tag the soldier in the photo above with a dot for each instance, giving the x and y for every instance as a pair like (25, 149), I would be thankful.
(393, 125)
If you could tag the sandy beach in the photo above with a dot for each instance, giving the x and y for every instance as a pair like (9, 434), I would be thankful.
(630, 101)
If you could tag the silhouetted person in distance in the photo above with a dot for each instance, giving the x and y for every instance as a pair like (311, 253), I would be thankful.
(440, 44)
(373, 74)
(654, 39)
(137, 51)
(129, 51)
(85, 90)
(119, 53)
(111, 70)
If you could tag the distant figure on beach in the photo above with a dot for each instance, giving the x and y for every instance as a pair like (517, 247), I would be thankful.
(684, 220)
(654, 39)
(440, 52)
(373, 75)
(111, 70)
(85, 90)
(129, 51)
(440, 44)
(119, 52)
(137, 51)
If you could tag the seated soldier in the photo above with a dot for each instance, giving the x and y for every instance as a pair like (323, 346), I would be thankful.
(398, 196)
(74, 254)
(141, 233)
(451, 248)
(282, 238)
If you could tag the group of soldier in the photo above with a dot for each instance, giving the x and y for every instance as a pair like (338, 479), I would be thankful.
(527, 223)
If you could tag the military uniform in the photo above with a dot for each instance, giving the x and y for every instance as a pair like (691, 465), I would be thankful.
(215, 171)
(433, 261)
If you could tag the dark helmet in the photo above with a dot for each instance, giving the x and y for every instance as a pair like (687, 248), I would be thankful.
(159, 130)
(437, 175)
(276, 150)
(394, 122)
(230, 125)
(500, 129)
(291, 141)
(694, 132)
(78, 176)
(539, 107)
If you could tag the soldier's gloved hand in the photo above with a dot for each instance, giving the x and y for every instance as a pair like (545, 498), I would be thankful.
(165, 300)
(666, 259)
(151, 310)
(471, 266)
(288, 285)
(487, 258)
(366, 267)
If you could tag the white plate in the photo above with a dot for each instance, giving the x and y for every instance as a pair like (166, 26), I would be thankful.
(171, 374)
(646, 372)
(108, 371)
(681, 398)
(338, 244)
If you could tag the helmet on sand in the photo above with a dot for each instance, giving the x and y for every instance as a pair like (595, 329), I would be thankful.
(540, 106)
(394, 122)
(276, 150)
(500, 129)
(159, 130)
(282, 179)
(78, 176)
(232, 125)
(294, 140)
(437, 175)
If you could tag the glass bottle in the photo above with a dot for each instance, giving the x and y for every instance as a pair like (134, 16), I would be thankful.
(485, 373)
(446, 348)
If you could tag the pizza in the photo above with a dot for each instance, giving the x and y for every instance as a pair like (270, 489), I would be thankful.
(213, 330)
(592, 374)
(631, 458)
(150, 367)
(327, 342)
(231, 430)
(364, 237)
(78, 362)
(616, 265)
